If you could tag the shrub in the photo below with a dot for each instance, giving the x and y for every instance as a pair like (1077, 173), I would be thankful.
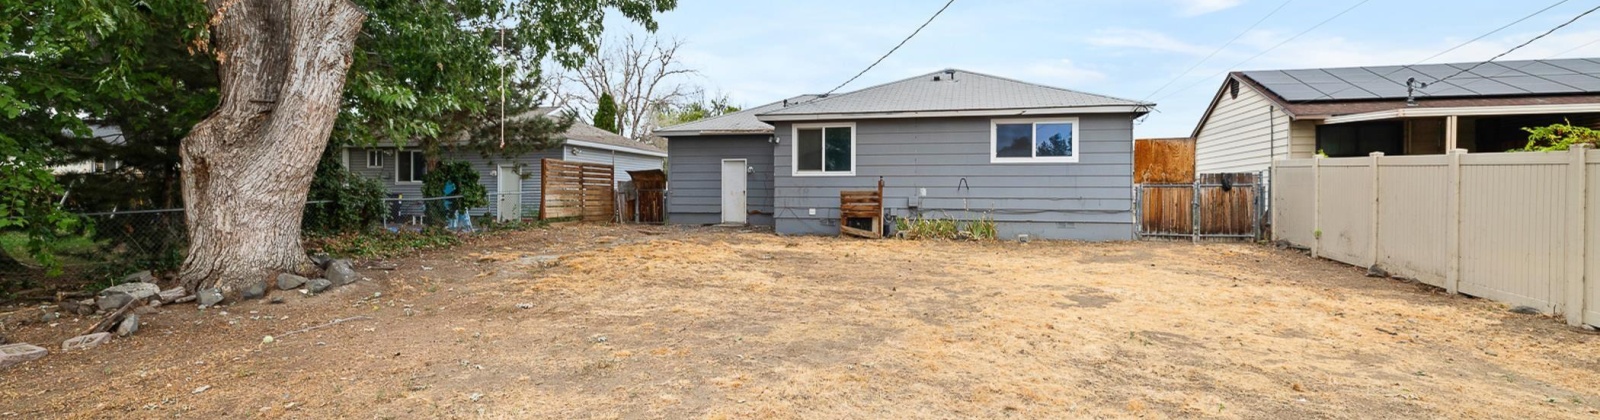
(1558, 137)
(945, 228)
(461, 180)
(353, 203)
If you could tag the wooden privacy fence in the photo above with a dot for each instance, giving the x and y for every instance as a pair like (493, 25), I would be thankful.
(1213, 206)
(576, 190)
(1520, 228)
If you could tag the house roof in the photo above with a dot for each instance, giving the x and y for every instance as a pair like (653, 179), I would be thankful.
(582, 131)
(953, 92)
(742, 122)
(1506, 78)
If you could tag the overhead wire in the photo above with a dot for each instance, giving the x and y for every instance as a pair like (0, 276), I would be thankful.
(1218, 50)
(892, 50)
(1270, 49)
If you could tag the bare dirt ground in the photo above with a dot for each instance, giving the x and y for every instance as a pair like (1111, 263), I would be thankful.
(698, 323)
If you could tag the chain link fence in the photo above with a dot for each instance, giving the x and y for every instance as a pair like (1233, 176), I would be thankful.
(127, 241)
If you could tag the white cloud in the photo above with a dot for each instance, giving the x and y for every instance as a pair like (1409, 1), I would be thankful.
(1145, 39)
(1061, 72)
(1200, 7)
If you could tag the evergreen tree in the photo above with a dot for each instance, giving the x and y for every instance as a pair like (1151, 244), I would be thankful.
(605, 114)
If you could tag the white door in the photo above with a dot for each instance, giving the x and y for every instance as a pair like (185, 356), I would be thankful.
(733, 191)
(508, 203)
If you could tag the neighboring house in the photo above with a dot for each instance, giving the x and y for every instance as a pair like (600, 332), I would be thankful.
(1257, 117)
(1039, 160)
(513, 185)
(110, 135)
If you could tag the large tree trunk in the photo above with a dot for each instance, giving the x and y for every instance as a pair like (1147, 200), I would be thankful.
(248, 165)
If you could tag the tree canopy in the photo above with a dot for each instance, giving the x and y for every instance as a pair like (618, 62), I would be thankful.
(605, 113)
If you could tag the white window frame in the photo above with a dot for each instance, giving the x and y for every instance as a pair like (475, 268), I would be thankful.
(994, 144)
(407, 160)
(374, 153)
(794, 149)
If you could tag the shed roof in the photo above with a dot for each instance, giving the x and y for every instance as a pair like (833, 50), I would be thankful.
(742, 122)
(949, 91)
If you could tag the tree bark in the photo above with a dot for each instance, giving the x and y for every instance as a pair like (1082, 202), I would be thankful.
(248, 165)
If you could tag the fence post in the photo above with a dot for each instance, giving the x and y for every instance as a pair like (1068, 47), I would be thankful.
(1452, 232)
(1576, 213)
(1194, 211)
(1316, 205)
(1372, 242)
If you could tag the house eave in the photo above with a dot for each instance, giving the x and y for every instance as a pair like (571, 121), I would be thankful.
(1421, 112)
(1005, 112)
(615, 148)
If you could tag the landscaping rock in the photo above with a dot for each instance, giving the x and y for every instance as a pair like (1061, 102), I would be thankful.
(140, 277)
(209, 297)
(318, 285)
(171, 294)
(77, 307)
(290, 281)
(340, 272)
(12, 354)
(85, 342)
(1376, 271)
(255, 290)
(128, 326)
(50, 316)
(1526, 310)
(115, 297)
(321, 260)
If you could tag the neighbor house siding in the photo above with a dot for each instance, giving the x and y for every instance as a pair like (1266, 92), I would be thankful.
(528, 164)
(621, 162)
(695, 166)
(1243, 134)
(949, 158)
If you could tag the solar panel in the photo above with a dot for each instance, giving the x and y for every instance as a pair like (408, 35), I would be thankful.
(1388, 82)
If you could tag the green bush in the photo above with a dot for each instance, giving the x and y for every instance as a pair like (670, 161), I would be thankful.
(1559, 137)
(466, 180)
(353, 203)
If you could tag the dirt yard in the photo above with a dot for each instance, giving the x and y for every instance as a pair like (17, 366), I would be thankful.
(637, 322)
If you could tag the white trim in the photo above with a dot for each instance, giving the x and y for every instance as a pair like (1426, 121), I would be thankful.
(614, 148)
(397, 164)
(994, 127)
(370, 154)
(794, 146)
(344, 157)
(1010, 112)
(1464, 110)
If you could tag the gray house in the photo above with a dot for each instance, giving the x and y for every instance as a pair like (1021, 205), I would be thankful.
(1040, 160)
(513, 186)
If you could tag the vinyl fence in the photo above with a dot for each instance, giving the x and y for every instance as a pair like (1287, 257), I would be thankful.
(1520, 228)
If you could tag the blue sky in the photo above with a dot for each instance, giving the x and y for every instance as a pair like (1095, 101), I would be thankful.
(761, 51)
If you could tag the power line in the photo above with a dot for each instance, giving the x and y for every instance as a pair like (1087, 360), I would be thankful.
(1385, 76)
(1264, 52)
(1519, 46)
(1596, 40)
(1218, 50)
(892, 50)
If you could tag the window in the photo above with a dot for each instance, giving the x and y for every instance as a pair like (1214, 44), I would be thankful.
(823, 150)
(1362, 138)
(410, 166)
(374, 159)
(1022, 141)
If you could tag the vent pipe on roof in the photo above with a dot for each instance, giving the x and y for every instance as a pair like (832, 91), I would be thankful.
(951, 73)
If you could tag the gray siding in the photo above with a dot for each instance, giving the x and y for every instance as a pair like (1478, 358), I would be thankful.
(695, 185)
(1090, 199)
(529, 165)
(621, 162)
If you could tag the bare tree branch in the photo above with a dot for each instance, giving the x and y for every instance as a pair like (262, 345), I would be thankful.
(644, 76)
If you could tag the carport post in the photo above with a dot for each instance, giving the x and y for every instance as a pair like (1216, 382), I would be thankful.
(1452, 232)
(1576, 200)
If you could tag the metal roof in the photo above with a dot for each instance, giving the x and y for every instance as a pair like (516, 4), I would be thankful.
(742, 122)
(949, 91)
(585, 132)
(1505, 78)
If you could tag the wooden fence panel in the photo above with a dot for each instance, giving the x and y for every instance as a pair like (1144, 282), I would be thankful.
(576, 190)
(1228, 205)
(1166, 210)
(1163, 161)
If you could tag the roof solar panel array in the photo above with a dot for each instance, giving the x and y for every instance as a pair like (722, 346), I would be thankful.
(1509, 78)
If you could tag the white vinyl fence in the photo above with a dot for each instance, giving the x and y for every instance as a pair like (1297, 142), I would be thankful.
(1520, 228)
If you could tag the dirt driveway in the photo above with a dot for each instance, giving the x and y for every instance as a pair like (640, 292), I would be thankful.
(694, 323)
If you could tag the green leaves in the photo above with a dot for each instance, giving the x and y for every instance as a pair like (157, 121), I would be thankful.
(1559, 137)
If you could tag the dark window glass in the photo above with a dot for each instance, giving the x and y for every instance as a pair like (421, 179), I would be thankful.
(1013, 140)
(838, 153)
(1053, 140)
(1361, 139)
(809, 150)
